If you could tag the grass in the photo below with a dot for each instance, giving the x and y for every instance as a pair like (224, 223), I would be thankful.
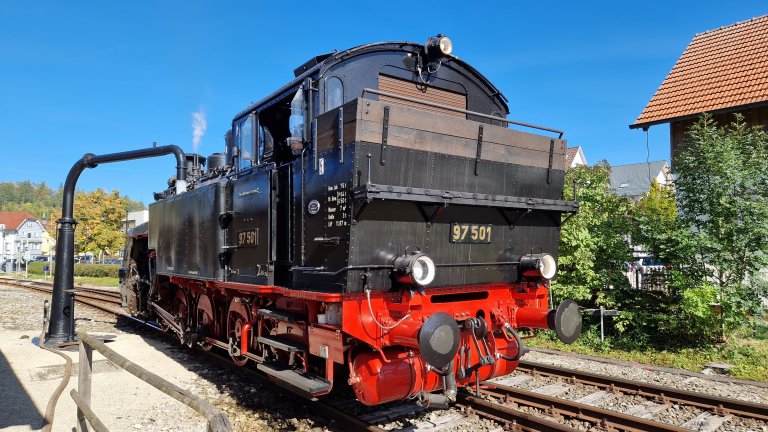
(98, 281)
(748, 354)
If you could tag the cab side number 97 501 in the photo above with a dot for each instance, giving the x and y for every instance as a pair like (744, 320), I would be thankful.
(470, 233)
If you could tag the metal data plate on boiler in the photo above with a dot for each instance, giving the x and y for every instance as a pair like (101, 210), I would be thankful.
(470, 233)
(247, 238)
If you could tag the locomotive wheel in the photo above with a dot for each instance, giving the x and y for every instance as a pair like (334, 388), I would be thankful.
(181, 311)
(206, 320)
(237, 316)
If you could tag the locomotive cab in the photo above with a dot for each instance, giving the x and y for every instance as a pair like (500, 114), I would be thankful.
(376, 212)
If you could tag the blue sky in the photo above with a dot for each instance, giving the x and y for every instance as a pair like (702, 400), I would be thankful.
(78, 77)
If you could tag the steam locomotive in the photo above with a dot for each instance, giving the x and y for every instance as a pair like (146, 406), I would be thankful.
(376, 218)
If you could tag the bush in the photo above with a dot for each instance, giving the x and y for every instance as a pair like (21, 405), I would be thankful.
(654, 319)
(87, 270)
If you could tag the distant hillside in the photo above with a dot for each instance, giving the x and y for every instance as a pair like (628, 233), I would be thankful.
(40, 200)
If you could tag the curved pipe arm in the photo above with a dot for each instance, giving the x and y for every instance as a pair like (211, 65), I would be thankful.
(61, 327)
(90, 160)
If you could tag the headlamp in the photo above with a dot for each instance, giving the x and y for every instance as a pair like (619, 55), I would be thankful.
(538, 265)
(415, 268)
(438, 46)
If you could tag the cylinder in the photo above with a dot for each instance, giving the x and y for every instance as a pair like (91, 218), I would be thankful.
(534, 318)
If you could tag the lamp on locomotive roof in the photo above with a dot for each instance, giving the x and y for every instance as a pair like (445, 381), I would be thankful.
(438, 46)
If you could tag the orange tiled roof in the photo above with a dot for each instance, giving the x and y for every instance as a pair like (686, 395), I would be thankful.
(13, 220)
(720, 69)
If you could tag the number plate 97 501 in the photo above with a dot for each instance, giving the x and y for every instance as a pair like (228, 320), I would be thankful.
(470, 233)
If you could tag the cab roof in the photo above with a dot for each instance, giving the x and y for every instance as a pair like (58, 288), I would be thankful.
(323, 62)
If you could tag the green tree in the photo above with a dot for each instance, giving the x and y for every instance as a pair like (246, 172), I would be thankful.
(99, 215)
(722, 193)
(593, 246)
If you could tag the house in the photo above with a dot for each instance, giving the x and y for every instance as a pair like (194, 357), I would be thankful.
(722, 71)
(634, 180)
(574, 156)
(134, 219)
(21, 236)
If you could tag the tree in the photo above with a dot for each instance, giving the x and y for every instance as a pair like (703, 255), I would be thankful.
(722, 193)
(593, 246)
(100, 216)
(656, 226)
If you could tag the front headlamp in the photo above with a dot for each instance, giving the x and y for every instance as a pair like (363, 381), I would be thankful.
(538, 265)
(415, 268)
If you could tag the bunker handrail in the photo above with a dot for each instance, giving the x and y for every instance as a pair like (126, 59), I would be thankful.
(450, 108)
(217, 420)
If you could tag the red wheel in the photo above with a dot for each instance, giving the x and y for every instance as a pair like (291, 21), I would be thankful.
(237, 316)
(206, 321)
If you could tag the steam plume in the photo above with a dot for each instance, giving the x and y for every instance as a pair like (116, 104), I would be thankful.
(199, 123)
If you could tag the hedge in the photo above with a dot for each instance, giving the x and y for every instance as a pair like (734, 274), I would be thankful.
(89, 270)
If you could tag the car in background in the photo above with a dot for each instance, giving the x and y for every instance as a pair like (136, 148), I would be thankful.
(649, 264)
(13, 264)
(112, 261)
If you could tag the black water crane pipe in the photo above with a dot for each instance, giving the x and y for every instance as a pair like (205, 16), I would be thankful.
(61, 329)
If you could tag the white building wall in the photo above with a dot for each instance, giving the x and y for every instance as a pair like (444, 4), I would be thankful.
(25, 242)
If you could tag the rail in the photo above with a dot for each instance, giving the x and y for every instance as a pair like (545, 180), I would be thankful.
(474, 113)
(217, 420)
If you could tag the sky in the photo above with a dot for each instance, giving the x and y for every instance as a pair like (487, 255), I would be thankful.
(98, 77)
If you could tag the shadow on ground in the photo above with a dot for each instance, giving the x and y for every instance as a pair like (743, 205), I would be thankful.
(16, 406)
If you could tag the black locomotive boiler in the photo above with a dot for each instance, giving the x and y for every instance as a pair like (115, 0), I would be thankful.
(375, 221)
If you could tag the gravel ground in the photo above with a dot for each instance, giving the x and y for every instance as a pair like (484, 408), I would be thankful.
(22, 309)
(459, 421)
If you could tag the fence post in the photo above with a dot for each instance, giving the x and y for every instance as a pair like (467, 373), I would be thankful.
(602, 332)
(84, 374)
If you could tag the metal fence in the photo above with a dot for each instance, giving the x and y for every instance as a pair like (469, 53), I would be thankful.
(217, 420)
(651, 280)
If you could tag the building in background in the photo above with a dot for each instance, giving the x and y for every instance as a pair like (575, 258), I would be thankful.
(634, 180)
(722, 72)
(574, 156)
(22, 236)
(134, 219)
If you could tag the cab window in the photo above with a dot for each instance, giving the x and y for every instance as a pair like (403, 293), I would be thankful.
(334, 93)
(266, 144)
(246, 142)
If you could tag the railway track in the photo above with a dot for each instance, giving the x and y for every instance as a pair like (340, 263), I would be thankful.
(96, 297)
(501, 401)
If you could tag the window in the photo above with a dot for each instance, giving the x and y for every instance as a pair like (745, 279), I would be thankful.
(245, 141)
(296, 120)
(266, 143)
(334, 93)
